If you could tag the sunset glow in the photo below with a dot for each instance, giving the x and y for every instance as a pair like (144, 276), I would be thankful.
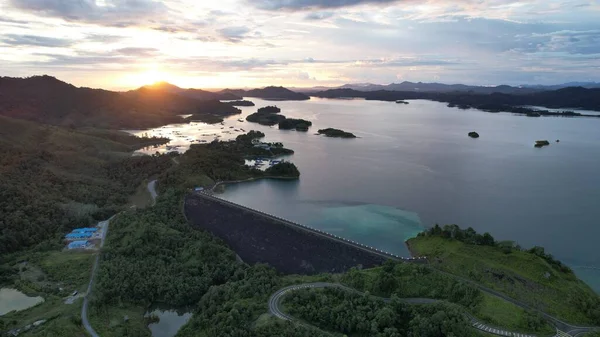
(242, 43)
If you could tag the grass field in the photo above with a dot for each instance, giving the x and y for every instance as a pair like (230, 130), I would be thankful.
(44, 274)
(519, 274)
(119, 321)
(142, 197)
(499, 313)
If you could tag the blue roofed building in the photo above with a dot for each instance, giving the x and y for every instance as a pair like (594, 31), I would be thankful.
(78, 244)
(78, 235)
(85, 230)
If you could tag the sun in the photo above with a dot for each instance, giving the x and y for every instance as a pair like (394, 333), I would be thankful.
(144, 77)
(150, 77)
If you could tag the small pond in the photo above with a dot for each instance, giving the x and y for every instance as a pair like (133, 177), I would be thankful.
(12, 299)
(170, 321)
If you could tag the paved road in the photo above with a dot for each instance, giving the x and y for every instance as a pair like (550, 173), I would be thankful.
(86, 324)
(561, 326)
(152, 190)
(275, 301)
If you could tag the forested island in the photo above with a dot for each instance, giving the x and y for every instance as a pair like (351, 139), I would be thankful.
(336, 133)
(240, 103)
(295, 124)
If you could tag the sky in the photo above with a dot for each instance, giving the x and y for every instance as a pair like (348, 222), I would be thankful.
(123, 44)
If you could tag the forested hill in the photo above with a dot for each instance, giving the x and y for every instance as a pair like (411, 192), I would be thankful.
(53, 179)
(566, 98)
(200, 94)
(46, 99)
(270, 93)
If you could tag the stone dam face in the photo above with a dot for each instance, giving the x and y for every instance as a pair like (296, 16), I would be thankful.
(260, 239)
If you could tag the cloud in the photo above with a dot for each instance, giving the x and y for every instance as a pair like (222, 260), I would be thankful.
(311, 4)
(137, 51)
(104, 38)
(234, 34)
(318, 15)
(118, 13)
(34, 40)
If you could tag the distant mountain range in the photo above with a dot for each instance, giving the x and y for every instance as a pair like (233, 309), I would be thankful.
(565, 98)
(46, 99)
(440, 87)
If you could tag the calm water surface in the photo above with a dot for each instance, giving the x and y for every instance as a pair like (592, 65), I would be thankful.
(12, 299)
(414, 166)
(170, 321)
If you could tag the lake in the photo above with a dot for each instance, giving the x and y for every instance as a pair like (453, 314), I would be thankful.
(170, 321)
(414, 166)
(12, 299)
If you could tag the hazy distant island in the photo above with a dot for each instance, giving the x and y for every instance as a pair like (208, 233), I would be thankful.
(240, 103)
(336, 133)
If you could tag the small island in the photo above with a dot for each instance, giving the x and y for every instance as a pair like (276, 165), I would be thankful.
(266, 116)
(401, 102)
(473, 134)
(541, 143)
(240, 103)
(272, 109)
(336, 133)
(295, 124)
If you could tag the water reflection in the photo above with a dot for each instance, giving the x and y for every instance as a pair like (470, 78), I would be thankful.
(169, 321)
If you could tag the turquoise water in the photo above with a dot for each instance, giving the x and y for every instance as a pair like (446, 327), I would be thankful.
(416, 161)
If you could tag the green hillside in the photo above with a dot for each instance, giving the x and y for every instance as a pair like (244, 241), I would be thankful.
(53, 179)
(532, 276)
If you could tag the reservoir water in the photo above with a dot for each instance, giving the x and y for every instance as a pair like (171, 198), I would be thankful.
(414, 166)
(12, 299)
(169, 321)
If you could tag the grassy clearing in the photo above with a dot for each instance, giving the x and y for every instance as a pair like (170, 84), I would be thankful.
(519, 274)
(127, 320)
(497, 312)
(62, 319)
(70, 269)
(141, 198)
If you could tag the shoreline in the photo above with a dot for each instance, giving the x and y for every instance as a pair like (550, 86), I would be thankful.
(231, 182)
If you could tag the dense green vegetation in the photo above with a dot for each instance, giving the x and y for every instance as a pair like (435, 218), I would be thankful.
(294, 124)
(204, 164)
(411, 280)
(531, 275)
(336, 133)
(362, 315)
(53, 179)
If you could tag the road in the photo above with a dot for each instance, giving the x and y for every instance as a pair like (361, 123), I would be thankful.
(275, 301)
(152, 190)
(84, 308)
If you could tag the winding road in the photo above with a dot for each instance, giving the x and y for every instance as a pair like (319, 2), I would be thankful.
(275, 301)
